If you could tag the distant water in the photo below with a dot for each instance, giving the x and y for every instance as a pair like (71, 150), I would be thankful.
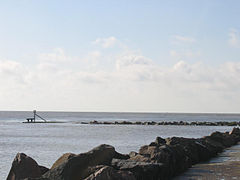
(109, 116)
(46, 142)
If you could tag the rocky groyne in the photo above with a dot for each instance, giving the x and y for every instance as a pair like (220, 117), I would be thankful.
(161, 159)
(177, 123)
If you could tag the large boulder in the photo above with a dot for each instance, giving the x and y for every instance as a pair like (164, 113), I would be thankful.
(213, 146)
(224, 138)
(24, 166)
(43, 169)
(109, 173)
(173, 157)
(176, 153)
(235, 134)
(167, 154)
(62, 159)
(235, 131)
(192, 148)
(77, 167)
(140, 158)
(160, 141)
(141, 170)
(217, 141)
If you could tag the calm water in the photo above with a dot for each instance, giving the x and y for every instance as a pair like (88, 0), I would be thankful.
(103, 116)
(46, 142)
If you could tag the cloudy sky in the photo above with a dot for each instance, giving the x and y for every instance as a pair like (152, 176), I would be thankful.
(142, 56)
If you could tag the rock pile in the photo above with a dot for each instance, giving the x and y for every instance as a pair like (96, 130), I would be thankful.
(177, 123)
(161, 159)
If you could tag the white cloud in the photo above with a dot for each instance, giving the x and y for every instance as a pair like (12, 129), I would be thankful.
(234, 38)
(95, 54)
(184, 54)
(132, 60)
(183, 39)
(134, 67)
(46, 67)
(182, 66)
(94, 77)
(106, 42)
(11, 71)
(92, 58)
(7, 66)
(132, 83)
(57, 55)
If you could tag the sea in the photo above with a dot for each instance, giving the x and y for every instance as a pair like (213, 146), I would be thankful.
(46, 142)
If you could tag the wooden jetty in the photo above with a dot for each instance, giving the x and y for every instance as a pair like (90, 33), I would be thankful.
(33, 119)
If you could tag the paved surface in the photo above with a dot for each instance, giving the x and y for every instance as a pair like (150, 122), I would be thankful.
(224, 167)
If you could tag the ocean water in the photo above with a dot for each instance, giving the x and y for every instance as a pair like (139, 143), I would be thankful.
(46, 142)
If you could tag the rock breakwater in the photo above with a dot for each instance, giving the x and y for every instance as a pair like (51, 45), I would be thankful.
(161, 159)
(178, 123)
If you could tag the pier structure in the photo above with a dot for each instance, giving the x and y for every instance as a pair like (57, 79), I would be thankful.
(33, 119)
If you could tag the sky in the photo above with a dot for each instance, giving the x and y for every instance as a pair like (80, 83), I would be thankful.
(120, 56)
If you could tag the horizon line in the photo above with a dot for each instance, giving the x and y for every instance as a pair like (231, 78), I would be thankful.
(153, 112)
